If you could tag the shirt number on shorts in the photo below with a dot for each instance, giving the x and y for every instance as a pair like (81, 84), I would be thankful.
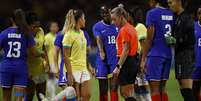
(111, 39)
(14, 51)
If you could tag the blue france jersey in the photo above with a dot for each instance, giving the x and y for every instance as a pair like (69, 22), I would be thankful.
(198, 44)
(15, 49)
(108, 34)
(162, 20)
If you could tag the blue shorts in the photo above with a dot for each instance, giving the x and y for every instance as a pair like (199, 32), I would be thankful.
(197, 73)
(103, 69)
(62, 75)
(9, 79)
(158, 68)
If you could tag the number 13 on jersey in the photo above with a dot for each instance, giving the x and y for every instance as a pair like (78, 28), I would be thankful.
(14, 49)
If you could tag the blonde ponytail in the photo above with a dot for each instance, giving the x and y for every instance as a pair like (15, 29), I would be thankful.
(70, 22)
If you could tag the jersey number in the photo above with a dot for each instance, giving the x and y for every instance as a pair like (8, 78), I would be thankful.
(111, 40)
(14, 51)
(169, 30)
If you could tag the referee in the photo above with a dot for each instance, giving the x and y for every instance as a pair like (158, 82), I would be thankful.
(183, 31)
(127, 45)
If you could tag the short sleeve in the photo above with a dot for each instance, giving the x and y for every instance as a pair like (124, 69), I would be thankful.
(67, 40)
(149, 19)
(87, 38)
(96, 31)
(58, 40)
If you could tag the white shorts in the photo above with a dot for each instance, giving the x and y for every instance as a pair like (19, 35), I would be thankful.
(81, 76)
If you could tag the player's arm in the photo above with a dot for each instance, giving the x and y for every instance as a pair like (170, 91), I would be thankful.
(68, 64)
(56, 59)
(47, 67)
(125, 51)
(147, 45)
(100, 47)
(99, 42)
(89, 66)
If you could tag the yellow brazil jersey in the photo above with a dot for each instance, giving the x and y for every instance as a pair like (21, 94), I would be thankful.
(35, 64)
(77, 42)
(49, 44)
(142, 34)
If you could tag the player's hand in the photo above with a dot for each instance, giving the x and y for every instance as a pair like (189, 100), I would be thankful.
(102, 55)
(91, 70)
(116, 72)
(70, 79)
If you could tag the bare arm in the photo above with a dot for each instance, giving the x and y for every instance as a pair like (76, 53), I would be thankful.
(100, 47)
(126, 48)
(56, 55)
(147, 44)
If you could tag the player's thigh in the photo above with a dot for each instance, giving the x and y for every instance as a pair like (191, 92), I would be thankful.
(7, 94)
(30, 90)
(158, 68)
(6, 79)
(86, 89)
(185, 83)
(113, 83)
(127, 90)
(41, 88)
(103, 86)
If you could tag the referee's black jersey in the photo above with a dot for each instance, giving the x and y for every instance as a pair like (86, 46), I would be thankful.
(183, 31)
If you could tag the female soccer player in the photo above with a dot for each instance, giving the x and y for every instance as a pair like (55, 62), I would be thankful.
(49, 46)
(59, 63)
(197, 70)
(157, 55)
(14, 70)
(184, 49)
(75, 54)
(127, 45)
(141, 84)
(37, 75)
(105, 34)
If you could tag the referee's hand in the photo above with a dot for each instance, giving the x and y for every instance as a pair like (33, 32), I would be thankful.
(116, 72)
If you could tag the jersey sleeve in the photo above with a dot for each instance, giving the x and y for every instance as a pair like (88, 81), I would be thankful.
(96, 31)
(87, 38)
(40, 37)
(67, 40)
(58, 41)
(149, 19)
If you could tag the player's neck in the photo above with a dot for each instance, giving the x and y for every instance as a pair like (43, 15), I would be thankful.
(107, 22)
(199, 23)
(180, 10)
(123, 23)
(159, 6)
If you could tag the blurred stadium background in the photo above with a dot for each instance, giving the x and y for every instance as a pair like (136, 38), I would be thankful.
(49, 10)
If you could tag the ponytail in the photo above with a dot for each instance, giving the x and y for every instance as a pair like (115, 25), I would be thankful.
(120, 11)
(71, 19)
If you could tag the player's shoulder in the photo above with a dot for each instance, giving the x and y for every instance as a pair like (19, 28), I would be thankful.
(98, 24)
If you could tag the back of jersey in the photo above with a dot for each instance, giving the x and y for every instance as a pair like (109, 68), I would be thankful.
(162, 20)
(15, 47)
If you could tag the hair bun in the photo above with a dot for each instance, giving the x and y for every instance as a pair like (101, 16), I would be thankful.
(121, 5)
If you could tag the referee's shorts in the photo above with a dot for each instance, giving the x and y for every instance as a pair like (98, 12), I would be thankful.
(128, 71)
